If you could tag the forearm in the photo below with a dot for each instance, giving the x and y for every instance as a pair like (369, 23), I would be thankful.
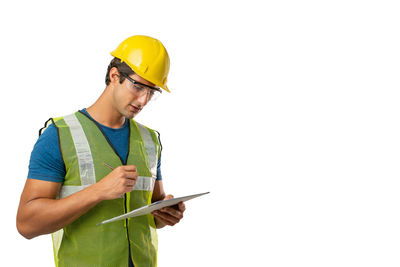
(40, 213)
(158, 195)
(44, 215)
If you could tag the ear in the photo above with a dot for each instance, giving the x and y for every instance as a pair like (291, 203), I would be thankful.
(114, 75)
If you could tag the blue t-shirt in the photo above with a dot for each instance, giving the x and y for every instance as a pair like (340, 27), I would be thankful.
(46, 162)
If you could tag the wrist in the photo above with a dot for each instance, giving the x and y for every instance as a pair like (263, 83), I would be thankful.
(96, 193)
(159, 224)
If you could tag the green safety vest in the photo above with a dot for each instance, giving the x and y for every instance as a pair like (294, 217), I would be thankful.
(84, 150)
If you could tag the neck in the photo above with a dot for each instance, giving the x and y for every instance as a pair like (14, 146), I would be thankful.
(104, 112)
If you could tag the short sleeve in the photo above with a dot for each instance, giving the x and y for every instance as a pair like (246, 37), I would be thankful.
(46, 162)
(159, 176)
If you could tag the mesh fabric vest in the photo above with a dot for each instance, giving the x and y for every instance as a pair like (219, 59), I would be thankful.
(85, 149)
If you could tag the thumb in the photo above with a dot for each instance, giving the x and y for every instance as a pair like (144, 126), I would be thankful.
(168, 197)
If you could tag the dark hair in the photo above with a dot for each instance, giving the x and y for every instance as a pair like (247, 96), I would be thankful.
(122, 67)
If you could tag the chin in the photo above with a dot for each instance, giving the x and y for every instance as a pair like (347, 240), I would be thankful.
(131, 115)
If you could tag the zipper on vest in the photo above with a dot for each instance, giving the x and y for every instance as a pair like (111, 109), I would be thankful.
(127, 227)
(126, 195)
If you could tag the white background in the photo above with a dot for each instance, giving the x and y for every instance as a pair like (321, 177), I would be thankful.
(287, 111)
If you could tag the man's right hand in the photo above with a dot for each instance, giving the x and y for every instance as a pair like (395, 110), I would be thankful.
(118, 182)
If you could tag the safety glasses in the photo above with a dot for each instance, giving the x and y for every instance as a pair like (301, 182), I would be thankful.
(142, 89)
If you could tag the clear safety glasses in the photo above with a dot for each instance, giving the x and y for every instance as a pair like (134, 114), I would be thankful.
(141, 89)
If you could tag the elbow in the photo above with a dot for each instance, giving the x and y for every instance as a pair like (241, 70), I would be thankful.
(25, 234)
(22, 230)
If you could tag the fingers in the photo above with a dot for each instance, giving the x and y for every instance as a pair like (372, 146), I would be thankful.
(132, 175)
(182, 206)
(173, 212)
(130, 182)
(168, 216)
(129, 176)
(118, 182)
(129, 168)
(128, 171)
(166, 220)
(168, 197)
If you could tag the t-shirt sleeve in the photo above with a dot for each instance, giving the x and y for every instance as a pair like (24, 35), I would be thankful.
(46, 162)
(159, 176)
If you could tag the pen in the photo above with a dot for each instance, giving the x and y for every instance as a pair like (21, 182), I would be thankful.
(108, 165)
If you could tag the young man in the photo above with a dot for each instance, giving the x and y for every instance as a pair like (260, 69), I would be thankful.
(99, 163)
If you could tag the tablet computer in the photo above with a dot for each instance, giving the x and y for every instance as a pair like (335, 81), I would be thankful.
(152, 207)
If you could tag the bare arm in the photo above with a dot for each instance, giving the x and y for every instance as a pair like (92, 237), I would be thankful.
(39, 211)
(158, 191)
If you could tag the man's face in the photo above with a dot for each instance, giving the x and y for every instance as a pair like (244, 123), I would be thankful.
(127, 100)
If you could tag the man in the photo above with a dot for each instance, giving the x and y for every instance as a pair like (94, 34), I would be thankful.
(99, 163)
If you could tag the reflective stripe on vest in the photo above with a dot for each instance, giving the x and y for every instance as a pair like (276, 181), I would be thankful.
(85, 159)
(142, 184)
(150, 149)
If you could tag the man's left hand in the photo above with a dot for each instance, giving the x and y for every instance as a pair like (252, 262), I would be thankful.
(169, 215)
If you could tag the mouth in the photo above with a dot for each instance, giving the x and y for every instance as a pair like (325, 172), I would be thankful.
(135, 109)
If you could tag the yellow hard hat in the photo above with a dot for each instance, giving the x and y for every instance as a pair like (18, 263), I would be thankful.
(147, 57)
